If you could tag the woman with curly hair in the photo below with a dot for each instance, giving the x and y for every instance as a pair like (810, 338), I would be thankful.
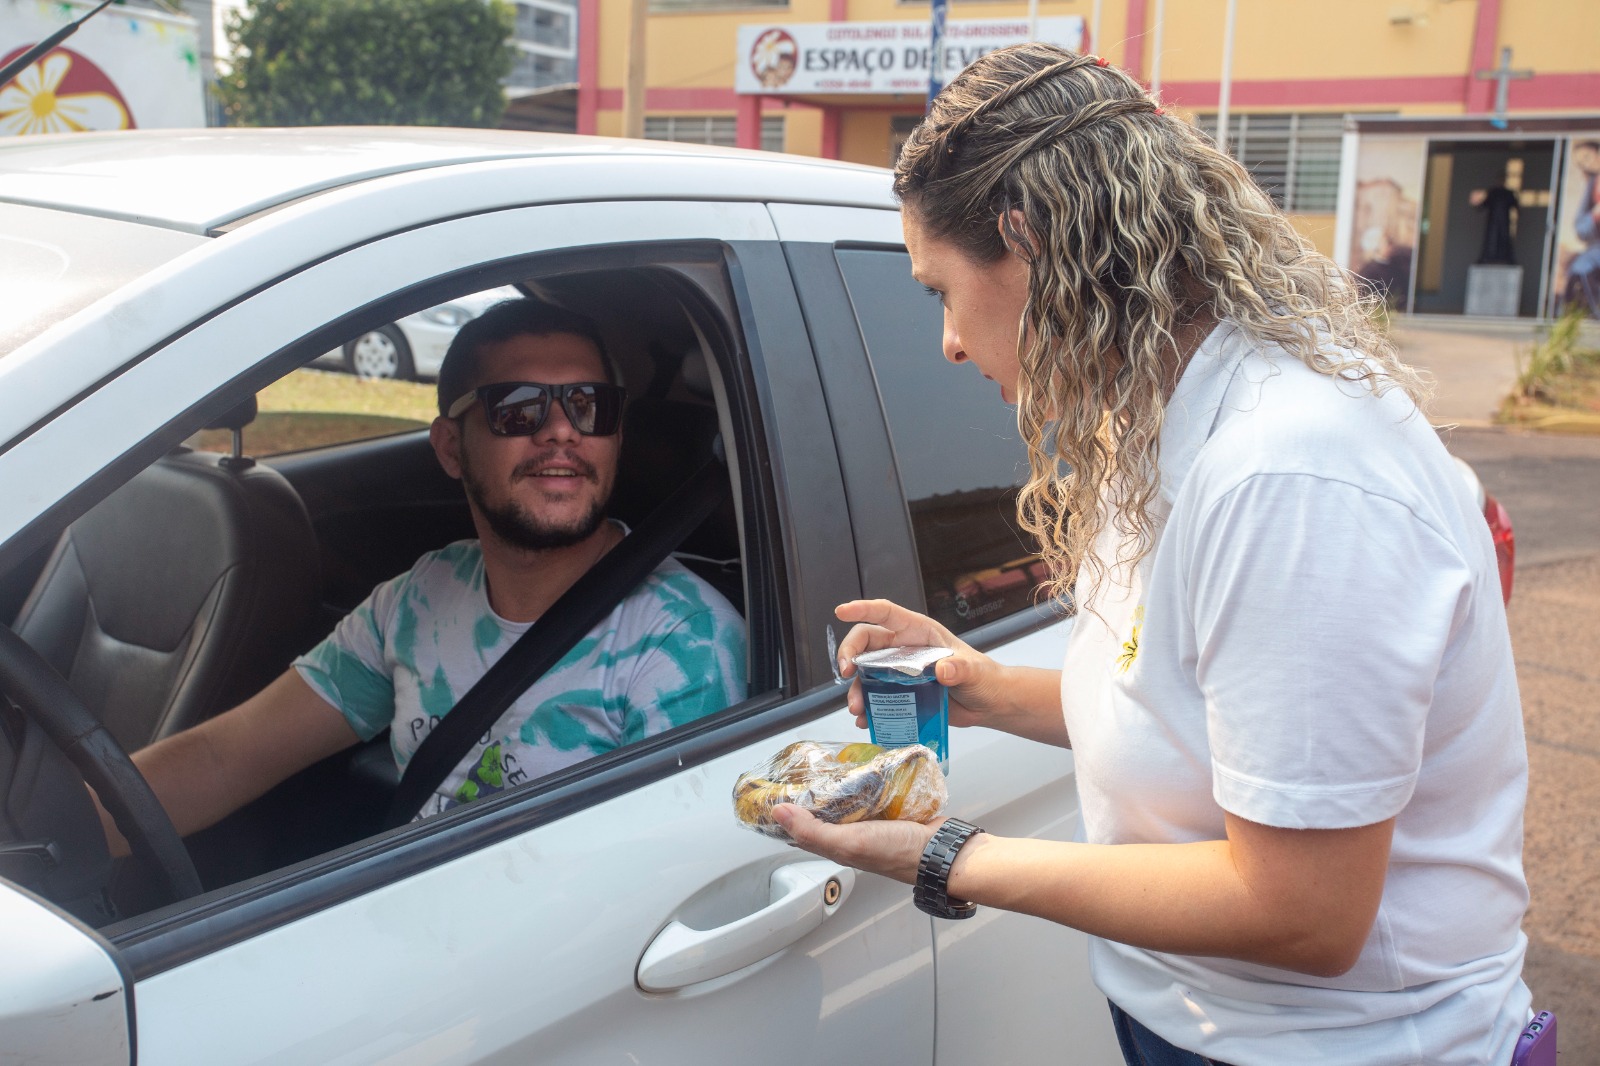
(1289, 686)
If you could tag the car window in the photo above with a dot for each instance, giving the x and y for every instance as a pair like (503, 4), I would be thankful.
(379, 382)
(377, 506)
(956, 447)
(314, 407)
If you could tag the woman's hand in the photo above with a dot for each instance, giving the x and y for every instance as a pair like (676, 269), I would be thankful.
(890, 848)
(976, 691)
(1021, 700)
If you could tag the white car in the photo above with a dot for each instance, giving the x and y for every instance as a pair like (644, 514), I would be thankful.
(414, 346)
(613, 913)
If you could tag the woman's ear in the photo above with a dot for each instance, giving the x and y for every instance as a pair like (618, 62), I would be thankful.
(1014, 232)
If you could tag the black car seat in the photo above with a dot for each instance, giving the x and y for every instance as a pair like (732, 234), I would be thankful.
(663, 443)
(181, 594)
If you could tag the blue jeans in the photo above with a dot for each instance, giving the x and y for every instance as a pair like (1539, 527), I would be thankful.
(1141, 1047)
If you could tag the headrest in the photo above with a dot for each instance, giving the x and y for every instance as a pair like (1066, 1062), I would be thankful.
(236, 417)
(663, 442)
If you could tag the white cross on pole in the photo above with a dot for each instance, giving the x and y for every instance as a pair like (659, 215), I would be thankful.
(1505, 76)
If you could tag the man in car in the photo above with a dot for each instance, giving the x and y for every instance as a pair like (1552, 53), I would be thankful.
(529, 423)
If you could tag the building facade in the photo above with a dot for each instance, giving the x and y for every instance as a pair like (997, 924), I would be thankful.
(1304, 74)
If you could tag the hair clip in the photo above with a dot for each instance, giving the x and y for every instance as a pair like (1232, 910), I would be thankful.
(1101, 61)
(1161, 111)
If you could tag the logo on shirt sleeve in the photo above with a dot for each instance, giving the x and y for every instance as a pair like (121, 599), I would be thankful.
(1130, 647)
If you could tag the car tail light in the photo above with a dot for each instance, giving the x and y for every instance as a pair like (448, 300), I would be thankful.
(1505, 541)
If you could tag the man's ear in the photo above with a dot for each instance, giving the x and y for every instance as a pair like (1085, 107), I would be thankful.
(445, 436)
(1013, 226)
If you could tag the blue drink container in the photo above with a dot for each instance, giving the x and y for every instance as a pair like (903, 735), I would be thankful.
(905, 702)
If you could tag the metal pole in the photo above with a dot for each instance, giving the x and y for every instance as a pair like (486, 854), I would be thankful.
(1033, 20)
(1155, 64)
(633, 87)
(1226, 93)
(1094, 29)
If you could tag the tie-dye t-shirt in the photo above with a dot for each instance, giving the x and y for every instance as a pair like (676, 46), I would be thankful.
(670, 652)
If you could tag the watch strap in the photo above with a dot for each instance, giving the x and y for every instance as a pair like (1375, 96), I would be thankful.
(931, 891)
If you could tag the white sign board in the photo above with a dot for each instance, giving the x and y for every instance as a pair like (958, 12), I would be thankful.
(126, 68)
(874, 57)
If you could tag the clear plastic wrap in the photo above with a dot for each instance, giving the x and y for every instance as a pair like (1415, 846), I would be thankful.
(841, 783)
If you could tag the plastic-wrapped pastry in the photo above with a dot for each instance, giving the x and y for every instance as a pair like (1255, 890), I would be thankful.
(841, 783)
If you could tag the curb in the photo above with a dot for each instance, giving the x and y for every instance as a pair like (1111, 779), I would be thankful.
(1570, 425)
(1573, 424)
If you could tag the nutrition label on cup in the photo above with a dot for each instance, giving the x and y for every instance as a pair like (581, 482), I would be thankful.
(894, 717)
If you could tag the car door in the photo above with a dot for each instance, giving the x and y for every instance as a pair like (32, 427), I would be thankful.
(63, 997)
(933, 482)
(613, 914)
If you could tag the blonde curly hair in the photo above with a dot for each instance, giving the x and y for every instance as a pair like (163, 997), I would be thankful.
(1133, 226)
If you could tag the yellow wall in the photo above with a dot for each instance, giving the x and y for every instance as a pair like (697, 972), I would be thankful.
(1297, 39)
(802, 131)
(864, 137)
(1550, 37)
(1277, 40)
(1319, 228)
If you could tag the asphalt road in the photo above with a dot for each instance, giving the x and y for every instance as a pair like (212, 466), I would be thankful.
(1550, 484)
(1551, 487)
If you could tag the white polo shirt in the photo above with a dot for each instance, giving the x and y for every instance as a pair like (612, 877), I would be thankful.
(1318, 640)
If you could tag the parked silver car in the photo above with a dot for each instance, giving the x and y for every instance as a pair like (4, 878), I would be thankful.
(413, 347)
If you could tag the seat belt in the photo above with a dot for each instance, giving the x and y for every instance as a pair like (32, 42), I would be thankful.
(553, 634)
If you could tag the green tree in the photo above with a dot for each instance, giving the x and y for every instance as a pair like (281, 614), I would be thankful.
(368, 62)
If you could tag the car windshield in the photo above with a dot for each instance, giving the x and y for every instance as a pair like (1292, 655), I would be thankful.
(54, 263)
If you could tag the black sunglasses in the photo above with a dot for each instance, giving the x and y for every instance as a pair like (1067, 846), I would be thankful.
(520, 408)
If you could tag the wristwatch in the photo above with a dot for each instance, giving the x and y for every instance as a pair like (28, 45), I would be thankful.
(931, 892)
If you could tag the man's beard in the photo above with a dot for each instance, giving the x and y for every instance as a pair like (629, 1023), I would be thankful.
(512, 523)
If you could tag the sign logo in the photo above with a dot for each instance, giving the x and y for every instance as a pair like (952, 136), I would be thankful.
(773, 58)
(61, 93)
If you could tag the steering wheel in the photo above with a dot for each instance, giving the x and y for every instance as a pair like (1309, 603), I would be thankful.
(40, 693)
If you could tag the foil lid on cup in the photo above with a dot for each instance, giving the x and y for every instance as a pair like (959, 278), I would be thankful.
(910, 659)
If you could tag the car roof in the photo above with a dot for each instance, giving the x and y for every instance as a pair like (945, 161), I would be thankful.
(201, 180)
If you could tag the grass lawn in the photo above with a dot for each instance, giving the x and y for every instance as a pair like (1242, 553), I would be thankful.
(1575, 392)
(313, 408)
(1558, 389)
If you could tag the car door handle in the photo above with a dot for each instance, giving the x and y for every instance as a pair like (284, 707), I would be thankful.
(803, 894)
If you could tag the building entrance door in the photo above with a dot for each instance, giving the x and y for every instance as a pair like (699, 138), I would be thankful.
(1488, 203)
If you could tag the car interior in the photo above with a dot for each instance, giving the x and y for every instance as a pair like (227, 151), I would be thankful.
(198, 579)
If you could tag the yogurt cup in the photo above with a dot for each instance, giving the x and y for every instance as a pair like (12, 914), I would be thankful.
(905, 702)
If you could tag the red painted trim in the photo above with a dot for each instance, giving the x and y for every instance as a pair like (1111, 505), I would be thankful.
(588, 64)
(838, 10)
(748, 113)
(1485, 56)
(1555, 92)
(830, 133)
(712, 99)
(1544, 92)
(1133, 42)
(675, 99)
